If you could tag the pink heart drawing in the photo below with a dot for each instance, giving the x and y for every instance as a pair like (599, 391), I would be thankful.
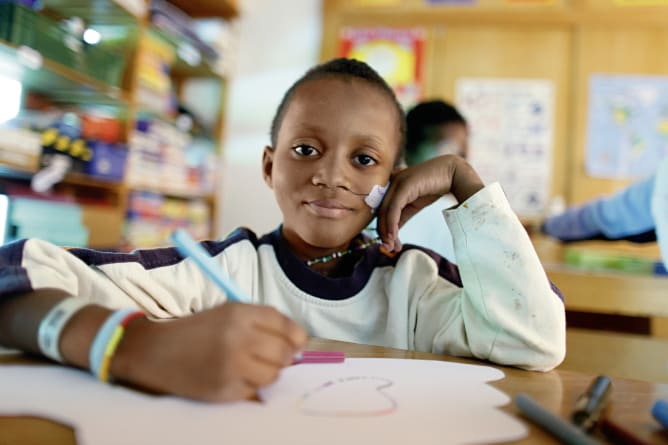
(354, 396)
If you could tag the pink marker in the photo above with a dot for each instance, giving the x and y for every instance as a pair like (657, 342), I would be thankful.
(320, 357)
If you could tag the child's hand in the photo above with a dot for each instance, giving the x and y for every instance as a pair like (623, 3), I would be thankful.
(417, 186)
(222, 354)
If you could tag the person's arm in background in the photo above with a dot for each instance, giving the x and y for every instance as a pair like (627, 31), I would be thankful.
(660, 208)
(625, 215)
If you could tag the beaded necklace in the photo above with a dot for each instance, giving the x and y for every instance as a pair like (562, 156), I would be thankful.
(339, 254)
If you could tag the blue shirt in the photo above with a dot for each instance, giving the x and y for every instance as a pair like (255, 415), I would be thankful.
(624, 215)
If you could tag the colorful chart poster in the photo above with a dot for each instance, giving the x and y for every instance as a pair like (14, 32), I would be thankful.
(511, 134)
(396, 53)
(627, 125)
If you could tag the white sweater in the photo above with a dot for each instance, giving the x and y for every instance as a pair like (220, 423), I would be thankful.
(506, 310)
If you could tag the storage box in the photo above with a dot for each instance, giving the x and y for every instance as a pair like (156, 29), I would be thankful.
(108, 161)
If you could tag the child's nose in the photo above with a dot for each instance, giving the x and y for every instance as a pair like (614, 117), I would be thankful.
(332, 172)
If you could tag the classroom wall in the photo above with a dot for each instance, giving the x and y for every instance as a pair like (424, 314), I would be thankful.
(563, 41)
(272, 54)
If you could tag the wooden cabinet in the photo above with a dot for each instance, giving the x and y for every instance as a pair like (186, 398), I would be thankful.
(150, 99)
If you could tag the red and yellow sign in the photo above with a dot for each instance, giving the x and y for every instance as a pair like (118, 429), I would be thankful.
(395, 53)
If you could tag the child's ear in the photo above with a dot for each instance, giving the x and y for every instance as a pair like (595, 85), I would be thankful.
(267, 164)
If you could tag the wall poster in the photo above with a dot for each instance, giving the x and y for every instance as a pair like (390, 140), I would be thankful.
(395, 53)
(511, 135)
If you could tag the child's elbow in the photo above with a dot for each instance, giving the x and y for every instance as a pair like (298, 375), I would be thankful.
(537, 352)
(548, 359)
(546, 355)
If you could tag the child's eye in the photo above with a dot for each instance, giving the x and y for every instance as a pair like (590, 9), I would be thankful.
(305, 150)
(365, 160)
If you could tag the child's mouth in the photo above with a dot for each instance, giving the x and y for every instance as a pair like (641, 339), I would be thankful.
(328, 208)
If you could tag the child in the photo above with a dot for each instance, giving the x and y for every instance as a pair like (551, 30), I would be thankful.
(638, 213)
(336, 142)
(433, 128)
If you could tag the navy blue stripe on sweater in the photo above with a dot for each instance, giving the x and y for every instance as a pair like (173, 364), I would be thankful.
(13, 277)
(160, 257)
(341, 288)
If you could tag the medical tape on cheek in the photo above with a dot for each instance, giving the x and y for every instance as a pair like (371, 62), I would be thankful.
(375, 197)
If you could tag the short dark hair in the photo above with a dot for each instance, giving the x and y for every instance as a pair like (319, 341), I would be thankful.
(344, 68)
(424, 116)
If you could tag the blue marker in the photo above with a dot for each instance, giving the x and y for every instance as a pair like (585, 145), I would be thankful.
(191, 249)
(660, 412)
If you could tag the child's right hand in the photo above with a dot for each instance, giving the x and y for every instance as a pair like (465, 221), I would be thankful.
(222, 354)
(417, 186)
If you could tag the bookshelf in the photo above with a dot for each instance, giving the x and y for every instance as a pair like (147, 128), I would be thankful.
(111, 97)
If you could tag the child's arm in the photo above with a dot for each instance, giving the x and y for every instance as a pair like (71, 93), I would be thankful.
(418, 186)
(626, 215)
(220, 354)
(506, 311)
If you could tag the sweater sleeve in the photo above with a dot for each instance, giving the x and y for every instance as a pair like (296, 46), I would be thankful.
(624, 215)
(507, 310)
(158, 281)
(660, 208)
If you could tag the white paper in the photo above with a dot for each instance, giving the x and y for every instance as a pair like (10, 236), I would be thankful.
(511, 125)
(387, 401)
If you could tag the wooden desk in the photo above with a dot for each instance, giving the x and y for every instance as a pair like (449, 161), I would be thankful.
(607, 292)
(556, 390)
(630, 356)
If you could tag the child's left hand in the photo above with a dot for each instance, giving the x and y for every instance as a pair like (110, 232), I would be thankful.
(416, 187)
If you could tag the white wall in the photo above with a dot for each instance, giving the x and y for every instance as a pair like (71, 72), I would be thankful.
(278, 42)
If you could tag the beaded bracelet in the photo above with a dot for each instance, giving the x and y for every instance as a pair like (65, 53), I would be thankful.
(52, 325)
(107, 340)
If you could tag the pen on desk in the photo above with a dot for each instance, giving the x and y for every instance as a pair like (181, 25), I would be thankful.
(191, 249)
(555, 425)
(590, 405)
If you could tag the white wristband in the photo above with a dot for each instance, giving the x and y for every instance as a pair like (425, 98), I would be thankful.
(51, 326)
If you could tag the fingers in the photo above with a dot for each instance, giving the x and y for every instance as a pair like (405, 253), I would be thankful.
(236, 390)
(275, 323)
(397, 198)
(269, 346)
(413, 189)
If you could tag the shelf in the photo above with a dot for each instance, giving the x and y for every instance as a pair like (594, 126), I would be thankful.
(56, 81)
(182, 194)
(181, 69)
(227, 9)
(76, 179)
(81, 179)
(108, 12)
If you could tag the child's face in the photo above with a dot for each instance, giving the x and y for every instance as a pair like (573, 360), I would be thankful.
(338, 136)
